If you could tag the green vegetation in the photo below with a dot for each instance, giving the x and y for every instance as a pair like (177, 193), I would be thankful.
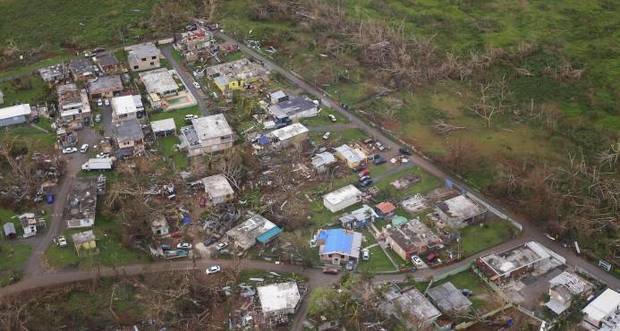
(477, 238)
(378, 261)
(167, 147)
(12, 258)
(28, 136)
(427, 183)
(30, 89)
(323, 118)
(112, 251)
(482, 298)
(178, 115)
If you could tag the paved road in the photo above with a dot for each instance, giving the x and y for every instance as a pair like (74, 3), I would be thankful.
(188, 79)
(530, 230)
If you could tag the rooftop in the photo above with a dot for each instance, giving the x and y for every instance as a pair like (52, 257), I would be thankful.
(217, 186)
(505, 262)
(460, 208)
(211, 127)
(448, 298)
(82, 200)
(294, 105)
(164, 125)
(385, 207)
(129, 130)
(342, 194)
(159, 81)
(414, 233)
(289, 131)
(83, 237)
(603, 307)
(323, 159)
(14, 111)
(53, 72)
(105, 84)
(340, 241)
(144, 50)
(106, 59)
(411, 305)
(68, 95)
(359, 215)
(124, 105)
(350, 154)
(572, 282)
(246, 233)
(279, 297)
(237, 70)
(82, 67)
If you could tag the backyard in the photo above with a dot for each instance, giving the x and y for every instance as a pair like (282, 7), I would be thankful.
(378, 262)
(483, 298)
(12, 257)
(477, 238)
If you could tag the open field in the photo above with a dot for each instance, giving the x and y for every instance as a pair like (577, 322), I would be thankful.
(477, 238)
(378, 261)
(12, 257)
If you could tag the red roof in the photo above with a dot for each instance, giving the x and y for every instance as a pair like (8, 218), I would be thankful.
(386, 207)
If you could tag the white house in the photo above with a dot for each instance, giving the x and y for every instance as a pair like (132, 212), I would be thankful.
(126, 107)
(353, 157)
(207, 135)
(218, 189)
(14, 115)
(279, 299)
(291, 134)
(603, 313)
(342, 198)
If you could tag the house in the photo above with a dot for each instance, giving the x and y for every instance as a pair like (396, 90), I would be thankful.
(278, 300)
(104, 86)
(410, 306)
(143, 56)
(108, 63)
(293, 134)
(563, 288)
(55, 74)
(207, 135)
(73, 104)
(129, 138)
(160, 227)
(79, 210)
(218, 189)
(385, 209)
(518, 261)
(277, 97)
(9, 230)
(160, 85)
(236, 75)
(353, 157)
(193, 44)
(460, 211)
(246, 234)
(82, 69)
(359, 218)
(342, 198)
(449, 299)
(292, 108)
(603, 313)
(338, 246)
(412, 238)
(15, 115)
(321, 161)
(30, 224)
(164, 127)
(126, 107)
(84, 242)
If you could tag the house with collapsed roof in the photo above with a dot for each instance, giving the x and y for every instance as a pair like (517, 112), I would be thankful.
(293, 134)
(254, 229)
(15, 115)
(460, 211)
(321, 161)
(194, 43)
(218, 189)
(126, 107)
(55, 74)
(412, 238)
(353, 157)
(129, 138)
(339, 246)
(73, 104)
(79, 210)
(278, 300)
(104, 86)
(82, 69)
(449, 299)
(207, 134)
(358, 218)
(410, 306)
(143, 56)
(160, 227)
(236, 75)
(564, 288)
(108, 63)
(342, 198)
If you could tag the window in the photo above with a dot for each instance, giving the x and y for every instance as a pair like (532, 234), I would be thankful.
(152, 63)
(143, 59)
(135, 67)
(153, 57)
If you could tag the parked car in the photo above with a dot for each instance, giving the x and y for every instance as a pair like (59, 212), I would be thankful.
(102, 155)
(69, 150)
(184, 245)
(332, 118)
(379, 160)
(106, 102)
(404, 151)
(368, 141)
(84, 148)
(364, 178)
(350, 265)
(417, 261)
(330, 270)
(190, 117)
(209, 242)
(99, 102)
(366, 183)
(363, 173)
(380, 146)
(326, 135)
(221, 246)
(196, 85)
(366, 254)
(213, 269)
(60, 241)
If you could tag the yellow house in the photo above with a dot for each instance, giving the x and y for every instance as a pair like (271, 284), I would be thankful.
(236, 74)
(84, 242)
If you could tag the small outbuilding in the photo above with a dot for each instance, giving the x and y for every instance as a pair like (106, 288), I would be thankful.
(353, 157)
(321, 161)
(449, 299)
(9, 230)
(342, 198)
(164, 127)
(218, 189)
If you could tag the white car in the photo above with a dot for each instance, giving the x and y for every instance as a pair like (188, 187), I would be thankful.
(332, 117)
(190, 117)
(69, 150)
(366, 254)
(61, 241)
(326, 135)
(99, 102)
(417, 261)
(186, 246)
(196, 85)
(221, 246)
(106, 102)
(84, 148)
(102, 155)
(213, 269)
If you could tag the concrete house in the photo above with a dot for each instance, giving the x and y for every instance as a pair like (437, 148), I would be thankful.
(253, 230)
(218, 189)
(293, 134)
(81, 205)
(104, 86)
(126, 107)
(412, 238)
(321, 161)
(603, 313)
(84, 243)
(15, 115)
(82, 69)
(460, 211)
(563, 288)
(278, 300)
(207, 134)
(143, 56)
(353, 157)
(129, 138)
(338, 246)
(342, 198)
(292, 108)
(358, 218)
(449, 299)
(236, 75)
(193, 44)
(108, 63)
(164, 127)
(55, 74)
(412, 307)
(73, 104)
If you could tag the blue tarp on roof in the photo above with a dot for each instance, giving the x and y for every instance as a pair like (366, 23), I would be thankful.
(269, 235)
(186, 219)
(337, 240)
(263, 140)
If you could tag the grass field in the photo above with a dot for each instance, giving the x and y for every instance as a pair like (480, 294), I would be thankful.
(378, 261)
(477, 238)
(178, 115)
(426, 184)
(166, 146)
(28, 136)
(12, 257)
(35, 91)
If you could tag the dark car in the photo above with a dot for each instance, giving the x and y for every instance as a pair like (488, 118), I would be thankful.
(379, 160)
(209, 241)
(366, 183)
(364, 178)
(404, 151)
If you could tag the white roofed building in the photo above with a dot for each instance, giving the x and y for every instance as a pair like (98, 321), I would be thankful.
(321, 161)
(218, 189)
(126, 107)
(207, 135)
(353, 157)
(603, 313)
(164, 127)
(342, 198)
(289, 135)
(14, 115)
(73, 103)
(460, 211)
(246, 234)
(278, 300)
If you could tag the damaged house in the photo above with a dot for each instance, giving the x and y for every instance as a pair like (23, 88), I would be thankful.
(207, 135)
(81, 205)
(104, 86)
(129, 138)
(236, 75)
(218, 189)
(73, 104)
(143, 56)
(412, 238)
(460, 211)
(254, 229)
